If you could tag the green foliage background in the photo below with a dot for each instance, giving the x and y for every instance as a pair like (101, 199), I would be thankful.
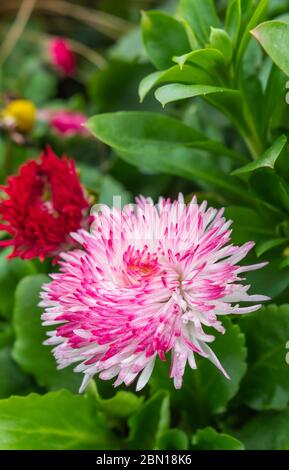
(194, 100)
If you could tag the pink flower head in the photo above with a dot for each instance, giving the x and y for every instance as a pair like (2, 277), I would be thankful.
(149, 280)
(62, 57)
(69, 123)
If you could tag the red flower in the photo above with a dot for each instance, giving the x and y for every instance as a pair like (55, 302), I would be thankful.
(44, 203)
(62, 57)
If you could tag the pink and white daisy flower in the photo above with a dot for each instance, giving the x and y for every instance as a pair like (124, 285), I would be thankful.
(150, 279)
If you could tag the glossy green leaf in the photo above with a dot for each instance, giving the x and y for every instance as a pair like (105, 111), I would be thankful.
(57, 420)
(104, 85)
(122, 405)
(209, 439)
(228, 101)
(268, 159)
(210, 59)
(201, 16)
(159, 143)
(149, 422)
(274, 38)
(271, 188)
(253, 106)
(163, 38)
(220, 40)
(257, 14)
(275, 106)
(29, 351)
(267, 431)
(175, 92)
(187, 74)
(266, 384)
(248, 224)
(270, 280)
(173, 439)
(205, 391)
(233, 20)
(269, 245)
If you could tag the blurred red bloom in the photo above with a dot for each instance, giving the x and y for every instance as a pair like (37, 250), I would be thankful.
(62, 57)
(41, 206)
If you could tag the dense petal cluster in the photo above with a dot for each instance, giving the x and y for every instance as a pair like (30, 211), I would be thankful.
(150, 279)
(41, 205)
(62, 57)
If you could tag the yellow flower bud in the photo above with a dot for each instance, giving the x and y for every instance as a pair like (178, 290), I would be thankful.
(22, 113)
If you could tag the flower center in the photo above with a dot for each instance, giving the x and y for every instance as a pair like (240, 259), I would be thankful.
(139, 265)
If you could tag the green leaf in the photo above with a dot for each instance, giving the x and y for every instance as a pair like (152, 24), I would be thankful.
(163, 38)
(275, 108)
(210, 59)
(209, 439)
(253, 105)
(269, 245)
(205, 391)
(12, 380)
(28, 350)
(258, 13)
(201, 16)
(127, 130)
(271, 280)
(249, 225)
(268, 159)
(175, 92)
(109, 188)
(159, 143)
(270, 187)
(187, 74)
(147, 424)
(11, 271)
(233, 20)
(267, 431)
(220, 40)
(228, 101)
(55, 421)
(274, 38)
(266, 384)
(104, 86)
(129, 47)
(6, 334)
(122, 405)
(173, 439)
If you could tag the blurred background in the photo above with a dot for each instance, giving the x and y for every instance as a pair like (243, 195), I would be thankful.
(103, 64)
(109, 62)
